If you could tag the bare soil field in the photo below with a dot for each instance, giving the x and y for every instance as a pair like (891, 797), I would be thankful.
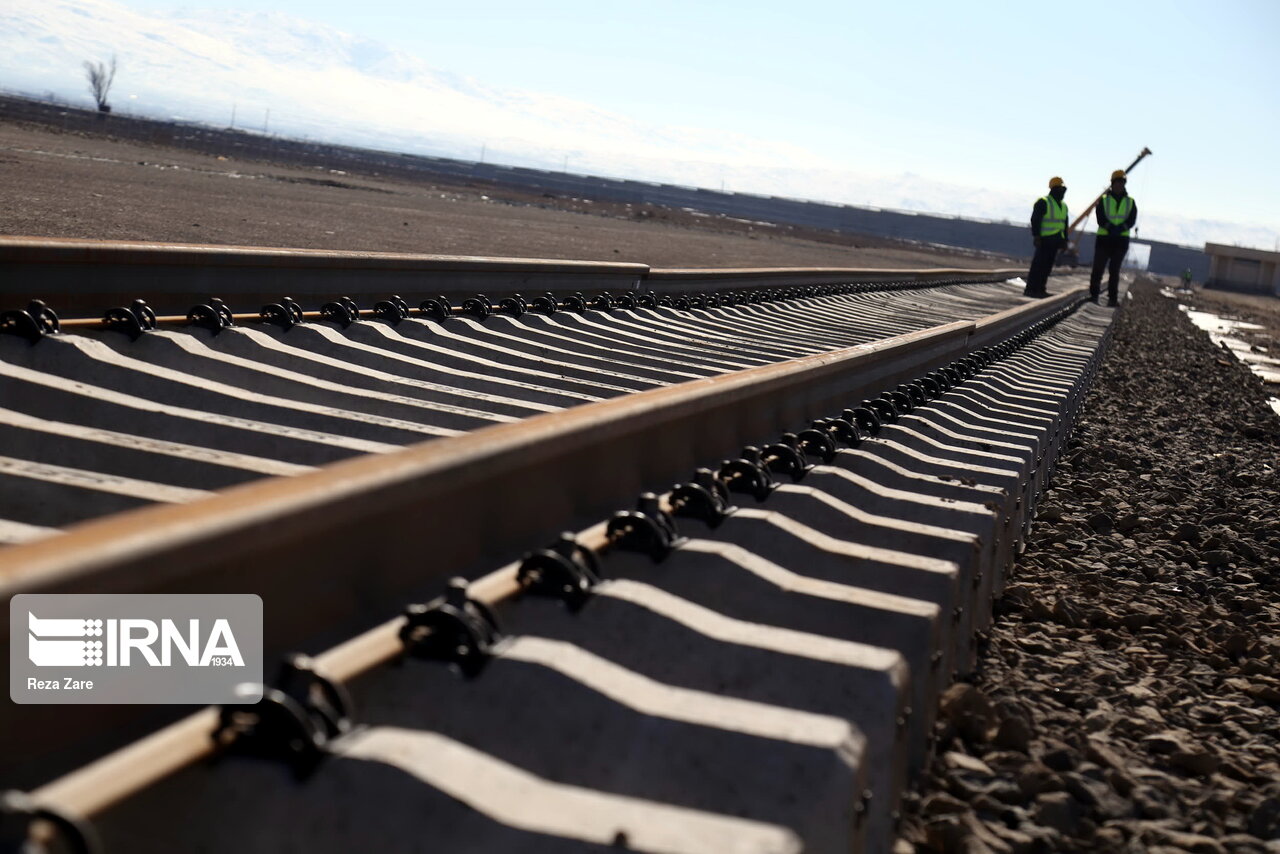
(1261, 309)
(67, 184)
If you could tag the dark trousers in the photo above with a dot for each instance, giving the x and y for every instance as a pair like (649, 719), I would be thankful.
(1108, 252)
(1042, 265)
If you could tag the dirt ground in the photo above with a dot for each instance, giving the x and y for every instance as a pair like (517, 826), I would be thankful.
(57, 184)
(1261, 309)
(1256, 306)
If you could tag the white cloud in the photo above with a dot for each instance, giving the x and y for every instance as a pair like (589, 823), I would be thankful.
(321, 83)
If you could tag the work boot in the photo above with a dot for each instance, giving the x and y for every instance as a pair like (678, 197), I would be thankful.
(1112, 303)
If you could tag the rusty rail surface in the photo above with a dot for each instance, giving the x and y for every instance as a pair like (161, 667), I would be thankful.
(336, 551)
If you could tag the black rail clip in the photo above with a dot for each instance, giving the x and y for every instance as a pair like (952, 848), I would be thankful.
(884, 410)
(545, 304)
(575, 302)
(816, 442)
(566, 569)
(438, 308)
(453, 628)
(477, 306)
(841, 429)
(748, 474)
(961, 369)
(899, 401)
(866, 419)
(326, 701)
(915, 392)
(132, 321)
(786, 457)
(213, 315)
(944, 382)
(276, 727)
(391, 310)
(705, 498)
(32, 323)
(293, 722)
(286, 314)
(343, 311)
(19, 817)
(513, 305)
(648, 529)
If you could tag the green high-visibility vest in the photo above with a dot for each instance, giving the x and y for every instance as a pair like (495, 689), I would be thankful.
(1115, 211)
(1055, 218)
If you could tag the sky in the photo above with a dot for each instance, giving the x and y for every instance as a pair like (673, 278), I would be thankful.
(996, 96)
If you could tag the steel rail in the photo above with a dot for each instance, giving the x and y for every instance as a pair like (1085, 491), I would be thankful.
(90, 276)
(686, 280)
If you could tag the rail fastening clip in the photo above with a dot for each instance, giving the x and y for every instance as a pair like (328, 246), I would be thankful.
(566, 569)
(705, 498)
(648, 529)
(33, 323)
(453, 628)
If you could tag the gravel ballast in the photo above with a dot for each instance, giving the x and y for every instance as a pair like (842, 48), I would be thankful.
(1126, 698)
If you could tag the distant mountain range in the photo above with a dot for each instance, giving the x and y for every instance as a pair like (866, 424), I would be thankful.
(275, 73)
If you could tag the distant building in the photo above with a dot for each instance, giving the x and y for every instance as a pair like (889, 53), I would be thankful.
(1253, 270)
(1138, 257)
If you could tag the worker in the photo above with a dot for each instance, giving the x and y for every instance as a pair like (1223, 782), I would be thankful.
(1186, 278)
(1117, 212)
(1049, 234)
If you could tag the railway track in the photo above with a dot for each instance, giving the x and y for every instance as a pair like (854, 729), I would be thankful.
(834, 478)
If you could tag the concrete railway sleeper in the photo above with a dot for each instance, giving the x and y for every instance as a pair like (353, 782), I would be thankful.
(747, 662)
(212, 407)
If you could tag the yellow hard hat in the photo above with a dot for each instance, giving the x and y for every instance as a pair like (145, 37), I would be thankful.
(1119, 173)
(1055, 182)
